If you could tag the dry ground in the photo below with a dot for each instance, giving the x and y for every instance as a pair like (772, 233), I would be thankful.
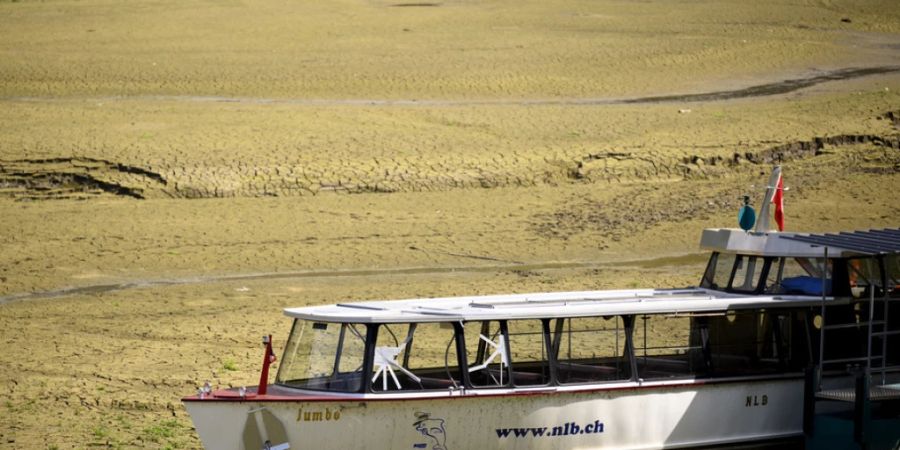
(172, 174)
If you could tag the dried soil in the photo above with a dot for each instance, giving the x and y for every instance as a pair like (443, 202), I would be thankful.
(172, 175)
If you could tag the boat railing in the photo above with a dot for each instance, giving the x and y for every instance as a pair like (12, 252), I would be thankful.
(858, 364)
(867, 320)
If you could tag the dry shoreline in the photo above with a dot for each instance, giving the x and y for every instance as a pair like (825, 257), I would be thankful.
(774, 88)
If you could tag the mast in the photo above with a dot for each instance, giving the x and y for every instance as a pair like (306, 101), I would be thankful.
(762, 223)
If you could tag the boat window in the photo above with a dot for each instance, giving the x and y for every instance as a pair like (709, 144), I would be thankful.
(892, 269)
(798, 276)
(528, 345)
(415, 356)
(750, 343)
(747, 272)
(667, 346)
(773, 279)
(864, 275)
(730, 272)
(486, 354)
(741, 343)
(324, 356)
(718, 271)
(590, 349)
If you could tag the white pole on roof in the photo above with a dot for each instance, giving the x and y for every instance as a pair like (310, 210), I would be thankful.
(822, 326)
(762, 222)
(872, 318)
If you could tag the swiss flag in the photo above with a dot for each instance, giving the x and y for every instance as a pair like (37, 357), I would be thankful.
(778, 200)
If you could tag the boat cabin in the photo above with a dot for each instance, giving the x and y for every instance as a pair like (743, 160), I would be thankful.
(856, 274)
(758, 312)
(798, 264)
(529, 343)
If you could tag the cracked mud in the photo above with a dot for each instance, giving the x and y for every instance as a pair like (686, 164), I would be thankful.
(172, 174)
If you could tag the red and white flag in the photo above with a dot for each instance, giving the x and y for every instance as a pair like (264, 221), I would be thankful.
(778, 200)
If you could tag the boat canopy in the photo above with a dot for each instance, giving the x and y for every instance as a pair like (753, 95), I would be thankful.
(801, 245)
(546, 305)
(871, 242)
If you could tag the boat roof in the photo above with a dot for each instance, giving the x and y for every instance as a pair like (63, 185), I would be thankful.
(546, 305)
(802, 245)
(621, 302)
(869, 242)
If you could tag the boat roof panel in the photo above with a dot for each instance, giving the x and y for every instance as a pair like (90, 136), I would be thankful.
(546, 305)
(801, 245)
(870, 242)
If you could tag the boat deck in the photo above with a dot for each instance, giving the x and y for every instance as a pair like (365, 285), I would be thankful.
(876, 394)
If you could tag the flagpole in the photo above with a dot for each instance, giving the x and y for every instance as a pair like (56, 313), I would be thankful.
(762, 222)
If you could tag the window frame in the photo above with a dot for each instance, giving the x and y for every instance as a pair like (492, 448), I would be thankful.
(626, 358)
(458, 382)
(545, 351)
(336, 358)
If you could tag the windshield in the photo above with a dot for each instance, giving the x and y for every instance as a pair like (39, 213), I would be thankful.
(772, 275)
(324, 356)
(726, 271)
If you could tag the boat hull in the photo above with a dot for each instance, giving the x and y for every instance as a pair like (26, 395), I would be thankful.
(625, 417)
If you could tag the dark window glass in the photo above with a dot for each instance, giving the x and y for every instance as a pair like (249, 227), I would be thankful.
(720, 345)
(892, 268)
(797, 276)
(749, 343)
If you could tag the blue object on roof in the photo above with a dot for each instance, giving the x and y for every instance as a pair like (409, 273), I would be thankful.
(805, 285)
(746, 216)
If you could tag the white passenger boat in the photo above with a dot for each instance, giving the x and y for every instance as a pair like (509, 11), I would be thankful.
(720, 363)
